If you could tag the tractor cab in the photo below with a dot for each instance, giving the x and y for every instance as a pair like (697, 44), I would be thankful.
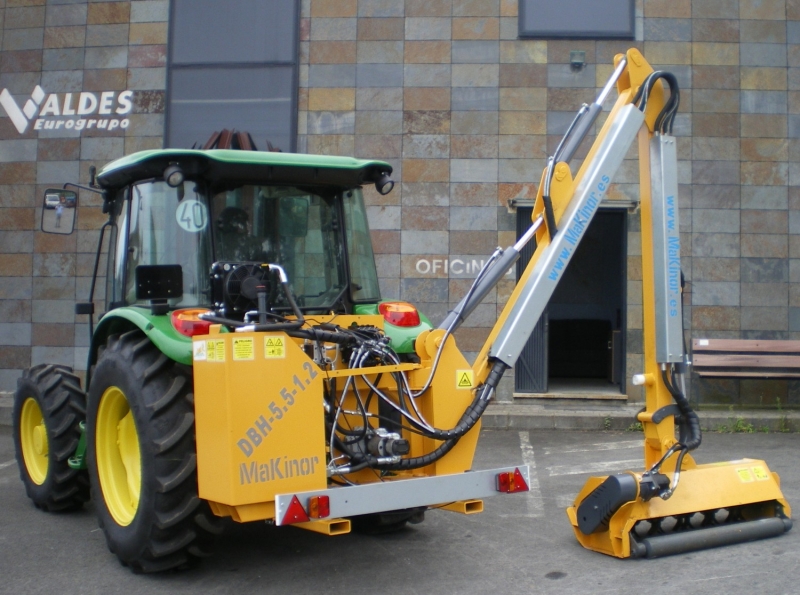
(235, 236)
(220, 216)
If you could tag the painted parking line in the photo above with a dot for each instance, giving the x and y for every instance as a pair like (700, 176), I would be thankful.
(7, 464)
(602, 467)
(618, 445)
(564, 501)
(534, 496)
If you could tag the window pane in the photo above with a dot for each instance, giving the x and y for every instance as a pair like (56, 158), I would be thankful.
(287, 226)
(256, 100)
(363, 276)
(242, 31)
(576, 18)
(166, 230)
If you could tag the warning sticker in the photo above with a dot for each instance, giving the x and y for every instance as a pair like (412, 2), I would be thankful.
(243, 349)
(760, 473)
(199, 351)
(274, 347)
(215, 350)
(465, 379)
(745, 475)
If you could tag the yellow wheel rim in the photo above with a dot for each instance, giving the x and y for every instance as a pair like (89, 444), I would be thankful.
(119, 463)
(33, 438)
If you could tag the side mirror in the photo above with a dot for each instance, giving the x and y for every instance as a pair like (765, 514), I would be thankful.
(59, 211)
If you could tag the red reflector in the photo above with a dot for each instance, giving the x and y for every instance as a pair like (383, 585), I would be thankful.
(319, 507)
(187, 321)
(295, 513)
(399, 313)
(511, 482)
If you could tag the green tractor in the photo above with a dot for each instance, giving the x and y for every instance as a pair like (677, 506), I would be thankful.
(187, 238)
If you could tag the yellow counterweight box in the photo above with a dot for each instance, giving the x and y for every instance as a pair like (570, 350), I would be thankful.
(259, 421)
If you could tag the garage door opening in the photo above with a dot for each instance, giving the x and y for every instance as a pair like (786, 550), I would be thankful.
(578, 346)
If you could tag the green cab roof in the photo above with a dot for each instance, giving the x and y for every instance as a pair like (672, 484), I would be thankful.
(237, 166)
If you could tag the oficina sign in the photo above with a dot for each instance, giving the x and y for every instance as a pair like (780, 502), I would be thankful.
(70, 111)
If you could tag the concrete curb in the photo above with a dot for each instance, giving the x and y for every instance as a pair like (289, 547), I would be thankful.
(529, 416)
(538, 417)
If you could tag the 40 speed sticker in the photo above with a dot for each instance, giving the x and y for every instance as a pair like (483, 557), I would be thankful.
(192, 215)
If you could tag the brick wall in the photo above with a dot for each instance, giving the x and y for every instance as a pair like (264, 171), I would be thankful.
(65, 47)
(466, 113)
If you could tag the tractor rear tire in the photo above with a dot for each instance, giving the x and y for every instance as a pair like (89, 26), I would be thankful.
(142, 458)
(48, 408)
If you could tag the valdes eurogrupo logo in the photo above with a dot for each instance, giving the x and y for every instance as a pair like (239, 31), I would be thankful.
(71, 111)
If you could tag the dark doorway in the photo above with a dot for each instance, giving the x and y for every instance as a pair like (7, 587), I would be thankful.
(579, 348)
(530, 372)
(580, 340)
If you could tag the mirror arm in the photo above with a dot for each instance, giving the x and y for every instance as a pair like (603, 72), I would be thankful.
(82, 187)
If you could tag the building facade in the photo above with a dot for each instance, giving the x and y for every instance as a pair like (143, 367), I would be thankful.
(466, 111)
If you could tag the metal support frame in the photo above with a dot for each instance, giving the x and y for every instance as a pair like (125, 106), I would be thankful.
(547, 272)
(403, 493)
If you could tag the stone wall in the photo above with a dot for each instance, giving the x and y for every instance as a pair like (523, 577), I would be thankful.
(466, 113)
(66, 47)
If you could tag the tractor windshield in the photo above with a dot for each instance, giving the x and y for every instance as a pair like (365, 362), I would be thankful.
(301, 231)
(318, 239)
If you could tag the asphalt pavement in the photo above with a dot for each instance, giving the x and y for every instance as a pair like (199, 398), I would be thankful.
(520, 544)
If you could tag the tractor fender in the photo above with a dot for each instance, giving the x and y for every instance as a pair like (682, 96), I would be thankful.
(402, 338)
(158, 329)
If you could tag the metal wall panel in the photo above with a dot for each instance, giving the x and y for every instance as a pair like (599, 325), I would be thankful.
(530, 372)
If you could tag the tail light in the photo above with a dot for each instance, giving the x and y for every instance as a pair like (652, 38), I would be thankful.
(511, 482)
(399, 313)
(188, 323)
(319, 507)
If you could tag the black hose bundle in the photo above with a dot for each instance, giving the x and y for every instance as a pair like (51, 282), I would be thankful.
(468, 420)
(666, 118)
(688, 423)
(690, 434)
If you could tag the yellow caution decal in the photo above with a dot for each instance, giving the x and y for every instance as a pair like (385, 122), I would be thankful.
(761, 473)
(243, 349)
(215, 350)
(274, 347)
(465, 379)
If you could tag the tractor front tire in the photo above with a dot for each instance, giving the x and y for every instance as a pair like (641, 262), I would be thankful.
(48, 408)
(142, 458)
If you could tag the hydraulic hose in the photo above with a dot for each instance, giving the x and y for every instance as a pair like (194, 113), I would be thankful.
(466, 423)
(473, 413)
(417, 462)
(267, 328)
(691, 433)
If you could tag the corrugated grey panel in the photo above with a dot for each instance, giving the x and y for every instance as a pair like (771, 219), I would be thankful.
(530, 372)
